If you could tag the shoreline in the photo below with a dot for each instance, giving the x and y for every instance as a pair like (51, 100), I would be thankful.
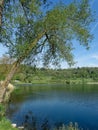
(92, 83)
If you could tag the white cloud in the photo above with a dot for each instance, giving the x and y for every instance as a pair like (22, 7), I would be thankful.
(93, 65)
(87, 60)
(95, 56)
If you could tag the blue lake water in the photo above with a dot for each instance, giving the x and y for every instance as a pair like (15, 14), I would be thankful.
(55, 105)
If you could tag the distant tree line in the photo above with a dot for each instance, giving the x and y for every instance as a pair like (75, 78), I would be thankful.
(29, 74)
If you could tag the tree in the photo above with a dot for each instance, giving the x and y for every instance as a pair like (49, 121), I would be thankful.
(6, 60)
(1, 8)
(32, 29)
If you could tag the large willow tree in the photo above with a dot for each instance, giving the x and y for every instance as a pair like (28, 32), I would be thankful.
(35, 30)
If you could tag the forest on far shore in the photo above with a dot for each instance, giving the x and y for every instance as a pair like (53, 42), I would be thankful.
(31, 74)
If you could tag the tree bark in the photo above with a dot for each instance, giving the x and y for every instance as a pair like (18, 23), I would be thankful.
(1, 10)
(9, 77)
(11, 73)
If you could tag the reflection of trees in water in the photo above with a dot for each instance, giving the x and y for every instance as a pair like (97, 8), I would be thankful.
(31, 123)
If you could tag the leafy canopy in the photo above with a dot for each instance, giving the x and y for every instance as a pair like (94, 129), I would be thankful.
(37, 29)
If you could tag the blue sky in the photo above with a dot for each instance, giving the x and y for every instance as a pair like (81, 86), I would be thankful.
(89, 57)
(83, 57)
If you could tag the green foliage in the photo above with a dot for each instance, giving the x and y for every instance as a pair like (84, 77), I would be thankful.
(6, 125)
(68, 76)
(29, 74)
(57, 25)
(2, 111)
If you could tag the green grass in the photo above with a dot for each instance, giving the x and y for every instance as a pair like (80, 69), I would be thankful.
(45, 80)
(6, 125)
(2, 111)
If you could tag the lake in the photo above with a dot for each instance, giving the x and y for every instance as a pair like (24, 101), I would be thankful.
(54, 105)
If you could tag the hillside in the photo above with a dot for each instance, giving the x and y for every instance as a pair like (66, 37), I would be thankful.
(29, 74)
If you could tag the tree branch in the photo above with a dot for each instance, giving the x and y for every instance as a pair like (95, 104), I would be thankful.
(1, 10)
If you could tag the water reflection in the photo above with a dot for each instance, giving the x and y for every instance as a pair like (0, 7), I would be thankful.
(52, 105)
(30, 123)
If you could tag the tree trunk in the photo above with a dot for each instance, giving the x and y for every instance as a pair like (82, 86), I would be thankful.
(11, 73)
(1, 9)
(18, 62)
(9, 77)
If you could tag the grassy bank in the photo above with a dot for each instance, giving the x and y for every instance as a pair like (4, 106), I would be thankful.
(5, 124)
(46, 80)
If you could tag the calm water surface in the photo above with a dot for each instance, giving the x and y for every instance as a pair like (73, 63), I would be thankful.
(55, 105)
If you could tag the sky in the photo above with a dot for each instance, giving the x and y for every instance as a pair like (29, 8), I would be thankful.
(82, 57)
(89, 58)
